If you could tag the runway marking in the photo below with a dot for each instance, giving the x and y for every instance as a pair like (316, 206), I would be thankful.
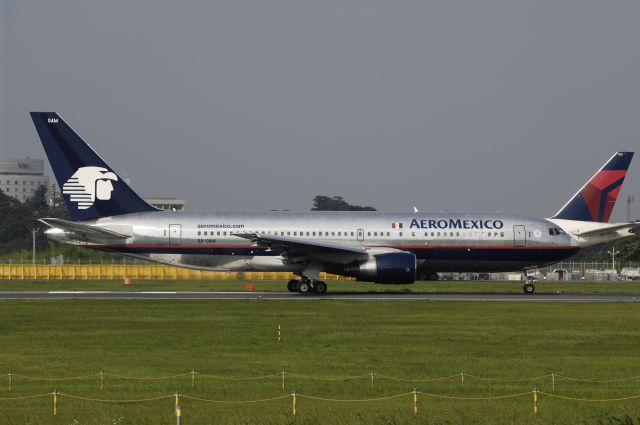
(352, 296)
(156, 292)
(79, 292)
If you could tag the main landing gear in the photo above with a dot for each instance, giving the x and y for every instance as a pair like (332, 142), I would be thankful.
(528, 287)
(306, 286)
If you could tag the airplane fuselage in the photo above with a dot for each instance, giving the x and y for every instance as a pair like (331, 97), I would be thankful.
(441, 241)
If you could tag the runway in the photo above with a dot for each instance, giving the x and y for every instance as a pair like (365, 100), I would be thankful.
(285, 296)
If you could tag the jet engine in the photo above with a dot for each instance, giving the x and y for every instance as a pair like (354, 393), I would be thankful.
(395, 267)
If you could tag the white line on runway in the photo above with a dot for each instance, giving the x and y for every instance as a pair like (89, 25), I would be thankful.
(154, 292)
(79, 292)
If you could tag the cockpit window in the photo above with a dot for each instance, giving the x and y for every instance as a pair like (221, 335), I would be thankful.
(555, 231)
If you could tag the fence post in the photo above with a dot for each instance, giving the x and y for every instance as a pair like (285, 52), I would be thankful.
(415, 401)
(553, 381)
(283, 373)
(462, 379)
(535, 399)
(193, 378)
(101, 380)
(55, 402)
(178, 415)
(10, 381)
(177, 398)
(279, 333)
(372, 374)
(293, 405)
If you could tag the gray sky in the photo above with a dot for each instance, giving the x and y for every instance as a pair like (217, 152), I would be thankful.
(261, 105)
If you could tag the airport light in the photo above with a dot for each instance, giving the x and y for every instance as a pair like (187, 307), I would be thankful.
(33, 247)
(613, 254)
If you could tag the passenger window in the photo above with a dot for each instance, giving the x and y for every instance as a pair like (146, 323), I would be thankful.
(288, 233)
(388, 233)
(368, 233)
(333, 233)
(307, 233)
(198, 232)
(457, 233)
(295, 233)
(413, 234)
(351, 233)
(339, 233)
(400, 233)
(224, 233)
(314, 233)
(502, 234)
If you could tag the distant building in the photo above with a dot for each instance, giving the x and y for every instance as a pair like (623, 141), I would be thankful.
(19, 178)
(167, 203)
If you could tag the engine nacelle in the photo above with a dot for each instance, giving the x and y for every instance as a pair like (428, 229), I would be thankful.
(394, 267)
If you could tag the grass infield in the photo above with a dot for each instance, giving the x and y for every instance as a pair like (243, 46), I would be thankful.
(148, 338)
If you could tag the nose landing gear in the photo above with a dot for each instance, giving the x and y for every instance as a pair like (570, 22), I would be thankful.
(528, 288)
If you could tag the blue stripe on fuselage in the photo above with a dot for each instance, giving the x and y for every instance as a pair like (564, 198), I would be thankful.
(535, 255)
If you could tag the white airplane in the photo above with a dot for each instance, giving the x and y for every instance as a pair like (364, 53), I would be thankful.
(381, 247)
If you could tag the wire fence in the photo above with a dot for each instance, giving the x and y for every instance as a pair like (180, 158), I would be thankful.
(282, 376)
(413, 396)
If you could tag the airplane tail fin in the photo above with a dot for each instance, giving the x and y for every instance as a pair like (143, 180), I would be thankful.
(89, 187)
(596, 199)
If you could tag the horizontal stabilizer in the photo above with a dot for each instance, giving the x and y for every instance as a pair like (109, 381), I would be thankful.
(614, 228)
(85, 233)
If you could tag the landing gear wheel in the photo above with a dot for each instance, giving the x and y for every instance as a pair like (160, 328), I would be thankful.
(432, 276)
(292, 285)
(320, 287)
(304, 287)
(528, 288)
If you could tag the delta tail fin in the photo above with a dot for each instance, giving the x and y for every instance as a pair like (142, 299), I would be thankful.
(596, 199)
(90, 188)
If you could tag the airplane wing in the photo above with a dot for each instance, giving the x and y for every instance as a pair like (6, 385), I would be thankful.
(83, 232)
(307, 248)
(631, 227)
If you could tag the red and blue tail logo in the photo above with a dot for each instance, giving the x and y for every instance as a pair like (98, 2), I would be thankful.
(596, 199)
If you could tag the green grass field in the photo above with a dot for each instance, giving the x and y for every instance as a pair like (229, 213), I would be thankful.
(334, 286)
(67, 338)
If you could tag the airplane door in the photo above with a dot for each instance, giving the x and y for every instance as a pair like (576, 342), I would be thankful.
(360, 235)
(519, 236)
(175, 234)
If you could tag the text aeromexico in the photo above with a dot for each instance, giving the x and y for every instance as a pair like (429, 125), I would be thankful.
(453, 223)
